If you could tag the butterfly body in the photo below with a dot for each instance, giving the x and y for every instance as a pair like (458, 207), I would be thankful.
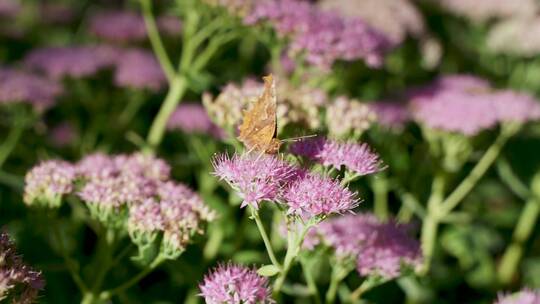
(258, 130)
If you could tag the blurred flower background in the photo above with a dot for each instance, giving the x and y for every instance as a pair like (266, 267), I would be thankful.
(408, 168)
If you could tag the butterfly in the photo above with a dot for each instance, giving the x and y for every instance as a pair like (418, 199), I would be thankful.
(258, 130)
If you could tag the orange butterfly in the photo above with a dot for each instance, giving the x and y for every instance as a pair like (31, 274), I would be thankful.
(258, 130)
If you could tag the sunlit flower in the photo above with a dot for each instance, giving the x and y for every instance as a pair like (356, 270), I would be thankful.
(525, 296)
(395, 18)
(345, 117)
(485, 10)
(235, 284)
(315, 195)
(515, 36)
(139, 69)
(255, 177)
(18, 282)
(357, 158)
(515, 106)
(48, 182)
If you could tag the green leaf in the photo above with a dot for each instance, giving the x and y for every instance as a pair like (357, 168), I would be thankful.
(268, 270)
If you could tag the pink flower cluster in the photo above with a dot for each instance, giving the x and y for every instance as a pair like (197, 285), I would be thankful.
(126, 26)
(235, 284)
(468, 105)
(48, 182)
(193, 118)
(111, 185)
(257, 178)
(322, 37)
(134, 67)
(21, 86)
(18, 282)
(525, 296)
(74, 61)
(379, 248)
(357, 158)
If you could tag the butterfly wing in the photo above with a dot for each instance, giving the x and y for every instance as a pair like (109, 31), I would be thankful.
(258, 129)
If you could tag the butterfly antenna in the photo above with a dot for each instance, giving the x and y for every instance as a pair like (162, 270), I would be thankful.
(295, 139)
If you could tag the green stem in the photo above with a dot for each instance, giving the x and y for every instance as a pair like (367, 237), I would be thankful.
(10, 143)
(105, 295)
(339, 272)
(513, 182)
(105, 259)
(489, 157)
(432, 220)
(312, 285)
(380, 191)
(368, 284)
(155, 40)
(514, 252)
(177, 89)
(266, 239)
(294, 241)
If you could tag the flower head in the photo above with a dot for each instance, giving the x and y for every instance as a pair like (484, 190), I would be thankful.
(74, 61)
(379, 248)
(322, 37)
(46, 183)
(127, 26)
(18, 282)
(139, 69)
(355, 157)
(454, 105)
(387, 251)
(118, 26)
(484, 10)
(235, 284)
(393, 115)
(346, 117)
(314, 195)
(395, 18)
(20, 86)
(193, 118)
(525, 296)
(514, 106)
(254, 177)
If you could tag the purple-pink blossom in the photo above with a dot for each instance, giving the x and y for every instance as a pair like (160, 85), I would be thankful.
(255, 177)
(322, 37)
(18, 282)
(127, 26)
(9, 8)
(72, 61)
(468, 105)
(20, 86)
(193, 118)
(139, 69)
(525, 296)
(357, 158)
(393, 115)
(315, 195)
(379, 248)
(118, 26)
(48, 182)
(235, 284)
